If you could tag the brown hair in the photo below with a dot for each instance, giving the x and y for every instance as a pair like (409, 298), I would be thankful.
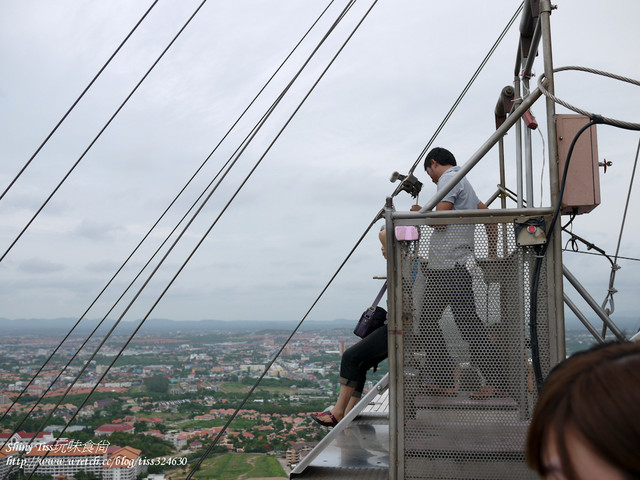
(597, 393)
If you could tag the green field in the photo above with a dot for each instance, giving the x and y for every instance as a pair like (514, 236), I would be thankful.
(235, 466)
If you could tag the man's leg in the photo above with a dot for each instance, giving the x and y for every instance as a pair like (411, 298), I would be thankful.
(440, 365)
(473, 330)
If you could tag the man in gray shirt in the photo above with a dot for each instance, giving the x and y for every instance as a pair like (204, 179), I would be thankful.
(448, 283)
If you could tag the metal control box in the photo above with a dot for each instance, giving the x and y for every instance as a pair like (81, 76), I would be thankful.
(582, 190)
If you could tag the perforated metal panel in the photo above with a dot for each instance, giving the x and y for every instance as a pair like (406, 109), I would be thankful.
(463, 354)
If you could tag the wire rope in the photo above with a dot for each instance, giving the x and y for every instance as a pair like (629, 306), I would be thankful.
(64, 117)
(609, 121)
(232, 417)
(147, 235)
(126, 100)
(205, 235)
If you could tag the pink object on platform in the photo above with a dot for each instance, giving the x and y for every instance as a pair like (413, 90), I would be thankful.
(407, 233)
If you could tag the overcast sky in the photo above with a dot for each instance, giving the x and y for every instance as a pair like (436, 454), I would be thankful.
(323, 181)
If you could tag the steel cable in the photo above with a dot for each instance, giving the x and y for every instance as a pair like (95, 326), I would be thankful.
(359, 241)
(149, 233)
(64, 117)
(73, 167)
(210, 228)
(609, 121)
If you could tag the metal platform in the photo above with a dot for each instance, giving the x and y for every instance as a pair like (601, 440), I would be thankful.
(358, 447)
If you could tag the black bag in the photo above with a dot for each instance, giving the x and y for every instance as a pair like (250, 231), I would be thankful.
(373, 317)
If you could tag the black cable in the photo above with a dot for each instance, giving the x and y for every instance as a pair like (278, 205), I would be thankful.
(590, 246)
(64, 117)
(102, 131)
(572, 217)
(147, 235)
(537, 268)
(633, 259)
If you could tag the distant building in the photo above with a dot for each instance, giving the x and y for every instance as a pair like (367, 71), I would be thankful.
(179, 440)
(65, 460)
(103, 403)
(109, 463)
(122, 464)
(7, 461)
(23, 437)
(108, 428)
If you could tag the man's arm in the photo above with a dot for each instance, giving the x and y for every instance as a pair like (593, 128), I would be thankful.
(439, 206)
(444, 205)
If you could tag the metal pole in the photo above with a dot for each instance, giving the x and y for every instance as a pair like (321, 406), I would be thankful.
(519, 187)
(537, 33)
(574, 308)
(528, 155)
(482, 151)
(556, 304)
(593, 304)
(394, 299)
(503, 198)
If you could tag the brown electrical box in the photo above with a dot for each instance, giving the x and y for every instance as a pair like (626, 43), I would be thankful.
(582, 190)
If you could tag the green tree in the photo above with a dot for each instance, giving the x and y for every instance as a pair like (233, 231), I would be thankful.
(157, 383)
(140, 427)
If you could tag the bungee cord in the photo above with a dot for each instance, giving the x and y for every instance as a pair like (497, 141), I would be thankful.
(102, 130)
(64, 117)
(147, 235)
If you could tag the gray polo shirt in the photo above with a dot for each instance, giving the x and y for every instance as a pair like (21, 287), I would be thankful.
(453, 244)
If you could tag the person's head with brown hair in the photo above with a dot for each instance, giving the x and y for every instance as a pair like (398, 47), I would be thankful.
(586, 424)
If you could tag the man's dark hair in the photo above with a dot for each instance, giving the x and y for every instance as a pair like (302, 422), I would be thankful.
(441, 156)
